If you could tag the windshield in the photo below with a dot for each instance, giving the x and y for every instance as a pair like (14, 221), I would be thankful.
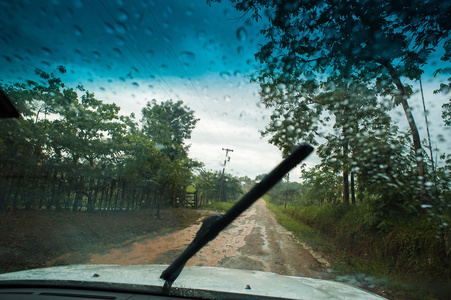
(140, 119)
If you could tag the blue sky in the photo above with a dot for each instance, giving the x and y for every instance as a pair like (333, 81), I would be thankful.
(130, 52)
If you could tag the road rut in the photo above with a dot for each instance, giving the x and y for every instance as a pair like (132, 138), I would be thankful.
(254, 241)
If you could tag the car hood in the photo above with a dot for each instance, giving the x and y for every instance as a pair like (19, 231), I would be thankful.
(202, 278)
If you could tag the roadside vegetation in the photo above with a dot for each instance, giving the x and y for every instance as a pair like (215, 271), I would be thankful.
(219, 206)
(76, 177)
(407, 252)
(71, 151)
(332, 75)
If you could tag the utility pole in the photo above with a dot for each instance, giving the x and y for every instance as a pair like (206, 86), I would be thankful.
(227, 159)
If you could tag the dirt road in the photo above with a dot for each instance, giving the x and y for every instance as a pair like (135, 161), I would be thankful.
(255, 241)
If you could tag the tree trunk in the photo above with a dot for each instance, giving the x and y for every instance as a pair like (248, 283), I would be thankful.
(16, 194)
(43, 190)
(116, 197)
(402, 97)
(91, 199)
(102, 195)
(94, 199)
(345, 170)
(77, 200)
(6, 186)
(124, 186)
(286, 194)
(59, 193)
(78, 195)
(158, 205)
(110, 197)
(53, 190)
(352, 189)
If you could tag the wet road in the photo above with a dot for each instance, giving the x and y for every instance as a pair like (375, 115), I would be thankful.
(255, 241)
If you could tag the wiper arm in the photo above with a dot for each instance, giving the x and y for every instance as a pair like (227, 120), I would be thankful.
(215, 224)
(7, 109)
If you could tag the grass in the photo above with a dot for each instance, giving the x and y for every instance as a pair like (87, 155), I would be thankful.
(218, 206)
(407, 251)
(303, 232)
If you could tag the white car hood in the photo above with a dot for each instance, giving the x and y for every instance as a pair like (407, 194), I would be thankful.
(204, 278)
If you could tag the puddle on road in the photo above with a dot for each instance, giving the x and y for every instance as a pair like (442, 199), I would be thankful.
(227, 243)
(147, 251)
(164, 249)
(254, 241)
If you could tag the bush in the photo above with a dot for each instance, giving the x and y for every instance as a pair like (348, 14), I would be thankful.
(408, 246)
(218, 206)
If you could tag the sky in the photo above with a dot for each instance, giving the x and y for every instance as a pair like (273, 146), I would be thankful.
(130, 52)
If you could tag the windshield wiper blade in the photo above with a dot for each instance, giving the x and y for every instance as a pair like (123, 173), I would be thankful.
(215, 224)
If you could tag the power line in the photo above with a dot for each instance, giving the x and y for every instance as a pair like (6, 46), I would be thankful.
(152, 66)
(131, 40)
(131, 52)
(186, 73)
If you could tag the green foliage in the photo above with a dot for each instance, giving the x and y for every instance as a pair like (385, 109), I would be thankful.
(219, 206)
(72, 151)
(168, 124)
(446, 114)
(321, 185)
(209, 184)
(286, 192)
(360, 36)
(345, 65)
(302, 231)
(403, 247)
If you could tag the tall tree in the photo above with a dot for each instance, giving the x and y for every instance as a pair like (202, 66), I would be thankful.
(169, 124)
(381, 42)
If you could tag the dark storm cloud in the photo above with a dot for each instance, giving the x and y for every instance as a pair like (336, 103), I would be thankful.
(131, 38)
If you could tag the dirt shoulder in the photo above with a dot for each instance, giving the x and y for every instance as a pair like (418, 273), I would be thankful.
(32, 239)
(255, 241)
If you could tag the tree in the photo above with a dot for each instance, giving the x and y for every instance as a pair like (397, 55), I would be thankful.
(321, 184)
(208, 184)
(380, 43)
(446, 113)
(169, 124)
(300, 112)
(71, 151)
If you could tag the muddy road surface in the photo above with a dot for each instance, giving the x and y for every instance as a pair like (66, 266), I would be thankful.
(254, 241)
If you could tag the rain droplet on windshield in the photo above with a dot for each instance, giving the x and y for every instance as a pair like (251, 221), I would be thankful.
(109, 28)
(96, 54)
(241, 34)
(78, 3)
(78, 30)
(187, 57)
(123, 16)
(117, 52)
(201, 34)
(225, 75)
